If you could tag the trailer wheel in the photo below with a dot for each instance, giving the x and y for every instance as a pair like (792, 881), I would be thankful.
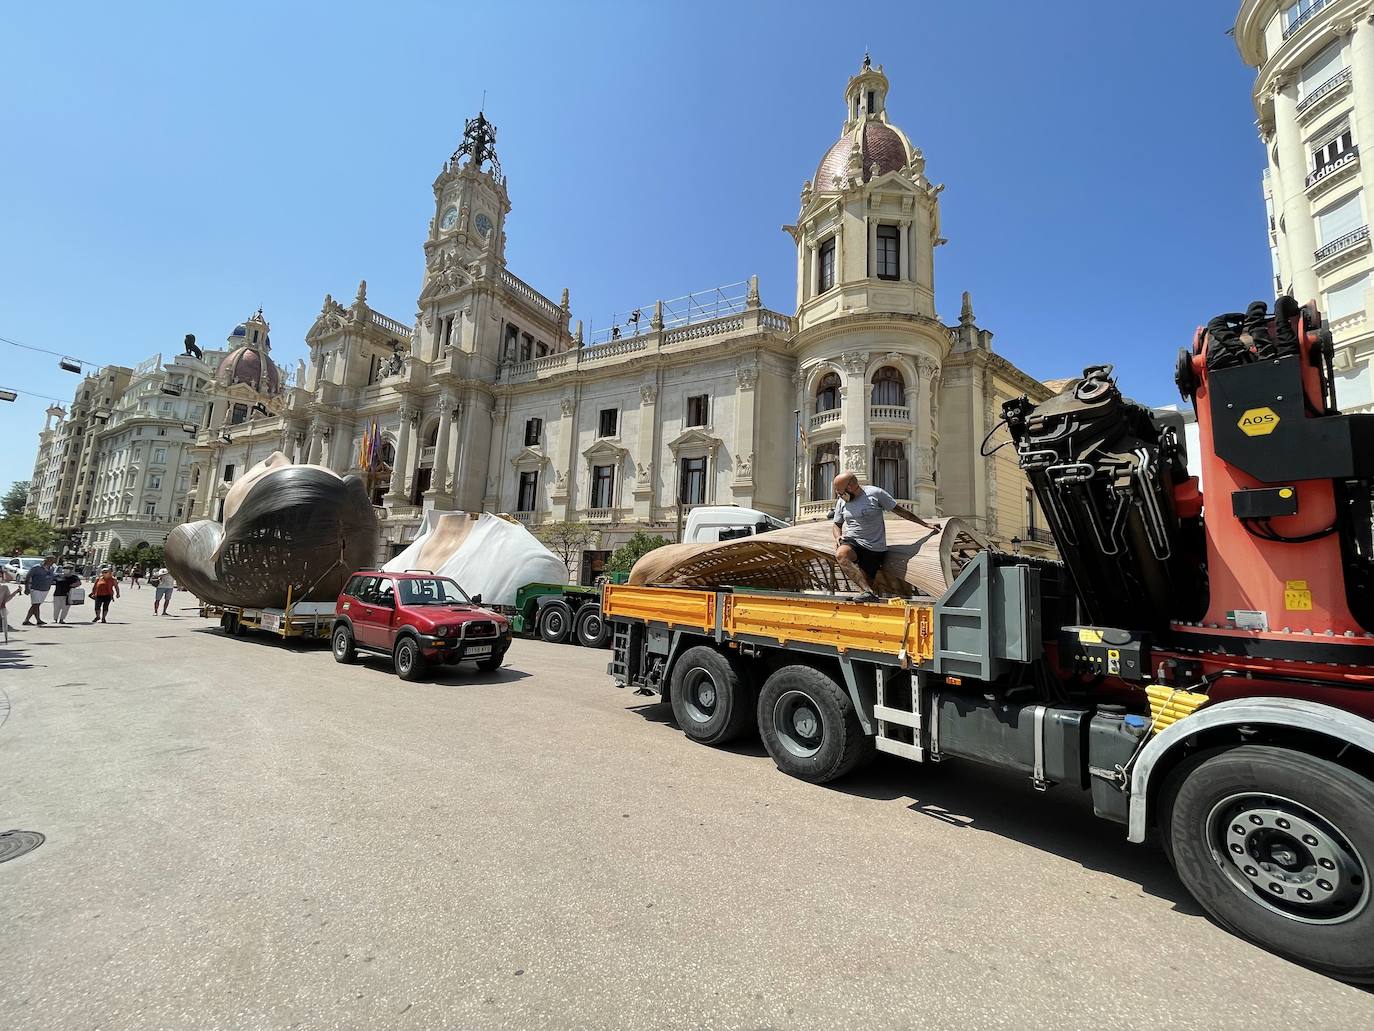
(555, 620)
(709, 696)
(809, 726)
(342, 644)
(593, 630)
(410, 664)
(1276, 845)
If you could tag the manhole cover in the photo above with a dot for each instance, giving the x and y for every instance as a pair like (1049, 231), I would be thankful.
(14, 844)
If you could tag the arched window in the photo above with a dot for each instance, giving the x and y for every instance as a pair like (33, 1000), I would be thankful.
(828, 393)
(888, 387)
(432, 437)
(388, 453)
(825, 466)
(890, 468)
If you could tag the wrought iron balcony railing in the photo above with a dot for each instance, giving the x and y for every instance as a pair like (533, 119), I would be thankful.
(1341, 243)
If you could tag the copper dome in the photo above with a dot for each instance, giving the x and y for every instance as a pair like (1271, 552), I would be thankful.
(881, 144)
(249, 366)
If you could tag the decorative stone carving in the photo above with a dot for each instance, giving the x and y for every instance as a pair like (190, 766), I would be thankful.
(560, 480)
(567, 405)
(747, 375)
(856, 458)
(642, 471)
(925, 463)
(854, 362)
(333, 316)
(744, 466)
(927, 367)
(648, 394)
(403, 411)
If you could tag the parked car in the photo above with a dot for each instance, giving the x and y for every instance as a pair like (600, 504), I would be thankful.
(417, 618)
(19, 567)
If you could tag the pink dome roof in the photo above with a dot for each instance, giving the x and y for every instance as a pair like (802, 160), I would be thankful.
(881, 143)
(249, 366)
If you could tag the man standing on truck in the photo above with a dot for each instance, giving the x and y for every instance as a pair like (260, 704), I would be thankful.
(860, 536)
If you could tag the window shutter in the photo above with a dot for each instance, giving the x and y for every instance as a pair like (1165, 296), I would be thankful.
(1346, 298)
(1336, 221)
(1319, 69)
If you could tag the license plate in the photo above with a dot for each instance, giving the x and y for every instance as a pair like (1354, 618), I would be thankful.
(482, 649)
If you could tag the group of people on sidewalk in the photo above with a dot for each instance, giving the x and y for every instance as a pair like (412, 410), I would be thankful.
(66, 588)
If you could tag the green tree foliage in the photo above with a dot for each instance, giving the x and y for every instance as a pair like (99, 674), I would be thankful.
(149, 556)
(639, 545)
(567, 539)
(25, 535)
(15, 498)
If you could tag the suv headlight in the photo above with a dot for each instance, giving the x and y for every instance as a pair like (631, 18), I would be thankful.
(441, 631)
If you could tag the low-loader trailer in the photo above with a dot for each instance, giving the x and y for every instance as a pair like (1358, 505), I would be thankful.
(1206, 675)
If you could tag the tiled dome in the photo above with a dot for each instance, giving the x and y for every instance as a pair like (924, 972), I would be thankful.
(249, 366)
(881, 144)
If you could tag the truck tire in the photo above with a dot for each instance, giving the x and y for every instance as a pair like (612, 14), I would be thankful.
(408, 659)
(1276, 845)
(711, 700)
(808, 724)
(593, 629)
(341, 644)
(555, 622)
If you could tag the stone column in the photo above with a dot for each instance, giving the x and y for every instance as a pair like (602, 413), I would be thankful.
(1360, 57)
(904, 251)
(645, 457)
(440, 482)
(456, 456)
(978, 483)
(565, 467)
(743, 486)
(922, 474)
(1299, 227)
(400, 472)
(854, 438)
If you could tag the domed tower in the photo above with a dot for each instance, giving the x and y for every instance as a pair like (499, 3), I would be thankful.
(249, 360)
(869, 344)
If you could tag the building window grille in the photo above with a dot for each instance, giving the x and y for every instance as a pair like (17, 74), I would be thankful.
(889, 388)
(825, 466)
(606, 423)
(692, 481)
(890, 467)
(529, 487)
(698, 410)
(534, 429)
(825, 278)
(887, 257)
(603, 485)
(828, 393)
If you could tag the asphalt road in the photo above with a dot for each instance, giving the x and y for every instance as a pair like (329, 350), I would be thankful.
(243, 834)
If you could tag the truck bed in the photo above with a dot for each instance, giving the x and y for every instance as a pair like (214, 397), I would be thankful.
(901, 629)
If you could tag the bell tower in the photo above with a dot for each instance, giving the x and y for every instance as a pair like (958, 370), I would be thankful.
(470, 201)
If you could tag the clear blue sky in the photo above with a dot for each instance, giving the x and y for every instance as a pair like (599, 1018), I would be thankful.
(167, 168)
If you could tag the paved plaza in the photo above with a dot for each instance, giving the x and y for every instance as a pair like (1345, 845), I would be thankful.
(242, 834)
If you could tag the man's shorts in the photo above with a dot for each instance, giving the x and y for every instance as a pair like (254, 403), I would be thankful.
(162, 592)
(38, 597)
(869, 561)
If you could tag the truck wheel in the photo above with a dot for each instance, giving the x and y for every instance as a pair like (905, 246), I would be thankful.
(710, 698)
(1276, 846)
(342, 644)
(809, 726)
(410, 664)
(555, 620)
(593, 630)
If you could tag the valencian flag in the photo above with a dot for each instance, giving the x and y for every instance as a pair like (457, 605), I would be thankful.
(367, 451)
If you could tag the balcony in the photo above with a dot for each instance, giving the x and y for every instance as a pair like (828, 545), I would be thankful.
(1340, 250)
(1319, 180)
(816, 509)
(524, 518)
(1302, 19)
(600, 515)
(1328, 90)
(889, 413)
(825, 418)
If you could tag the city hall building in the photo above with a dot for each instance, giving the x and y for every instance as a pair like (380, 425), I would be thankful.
(492, 399)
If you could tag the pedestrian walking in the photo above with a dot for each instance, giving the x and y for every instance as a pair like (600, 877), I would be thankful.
(8, 589)
(38, 583)
(61, 593)
(105, 588)
(136, 574)
(165, 584)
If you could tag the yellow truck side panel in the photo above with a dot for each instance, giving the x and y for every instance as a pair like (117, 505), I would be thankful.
(676, 606)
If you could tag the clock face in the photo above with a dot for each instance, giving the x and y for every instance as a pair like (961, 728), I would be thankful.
(483, 224)
(449, 219)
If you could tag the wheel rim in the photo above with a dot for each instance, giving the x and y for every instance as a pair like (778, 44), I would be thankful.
(700, 694)
(797, 723)
(341, 643)
(1288, 858)
(591, 629)
(404, 659)
(554, 622)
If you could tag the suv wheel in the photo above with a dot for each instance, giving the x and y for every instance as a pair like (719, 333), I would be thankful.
(410, 664)
(342, 644)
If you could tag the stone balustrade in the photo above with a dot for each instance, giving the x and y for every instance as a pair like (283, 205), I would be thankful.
(889, 413)
(826, 418)
(533, 297)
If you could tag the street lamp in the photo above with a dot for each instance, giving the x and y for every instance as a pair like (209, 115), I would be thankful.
(8, 395)
(69, 365)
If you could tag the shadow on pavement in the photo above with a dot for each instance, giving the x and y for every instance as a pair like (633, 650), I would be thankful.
(293, 644)
(12, 658)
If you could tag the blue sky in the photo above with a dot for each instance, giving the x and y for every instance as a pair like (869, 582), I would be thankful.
(167, 168)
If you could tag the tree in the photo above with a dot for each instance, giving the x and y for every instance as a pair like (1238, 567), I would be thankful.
(15, 498)
(25, 535)
(566, 539)
(639, 545)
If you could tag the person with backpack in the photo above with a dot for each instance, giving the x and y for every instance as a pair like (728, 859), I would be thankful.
(61, 593)
(103, 591)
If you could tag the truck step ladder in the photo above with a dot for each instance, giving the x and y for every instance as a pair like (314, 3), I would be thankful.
(891, 717)
(618, 667)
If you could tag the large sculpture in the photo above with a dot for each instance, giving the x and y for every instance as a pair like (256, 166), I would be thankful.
(301, 529)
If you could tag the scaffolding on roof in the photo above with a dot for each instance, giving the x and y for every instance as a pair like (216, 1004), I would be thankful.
(700, 306)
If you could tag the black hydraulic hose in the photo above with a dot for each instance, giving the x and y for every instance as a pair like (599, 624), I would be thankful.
(1260, 528)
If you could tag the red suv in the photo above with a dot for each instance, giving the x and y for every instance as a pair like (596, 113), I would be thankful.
(418, 619)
